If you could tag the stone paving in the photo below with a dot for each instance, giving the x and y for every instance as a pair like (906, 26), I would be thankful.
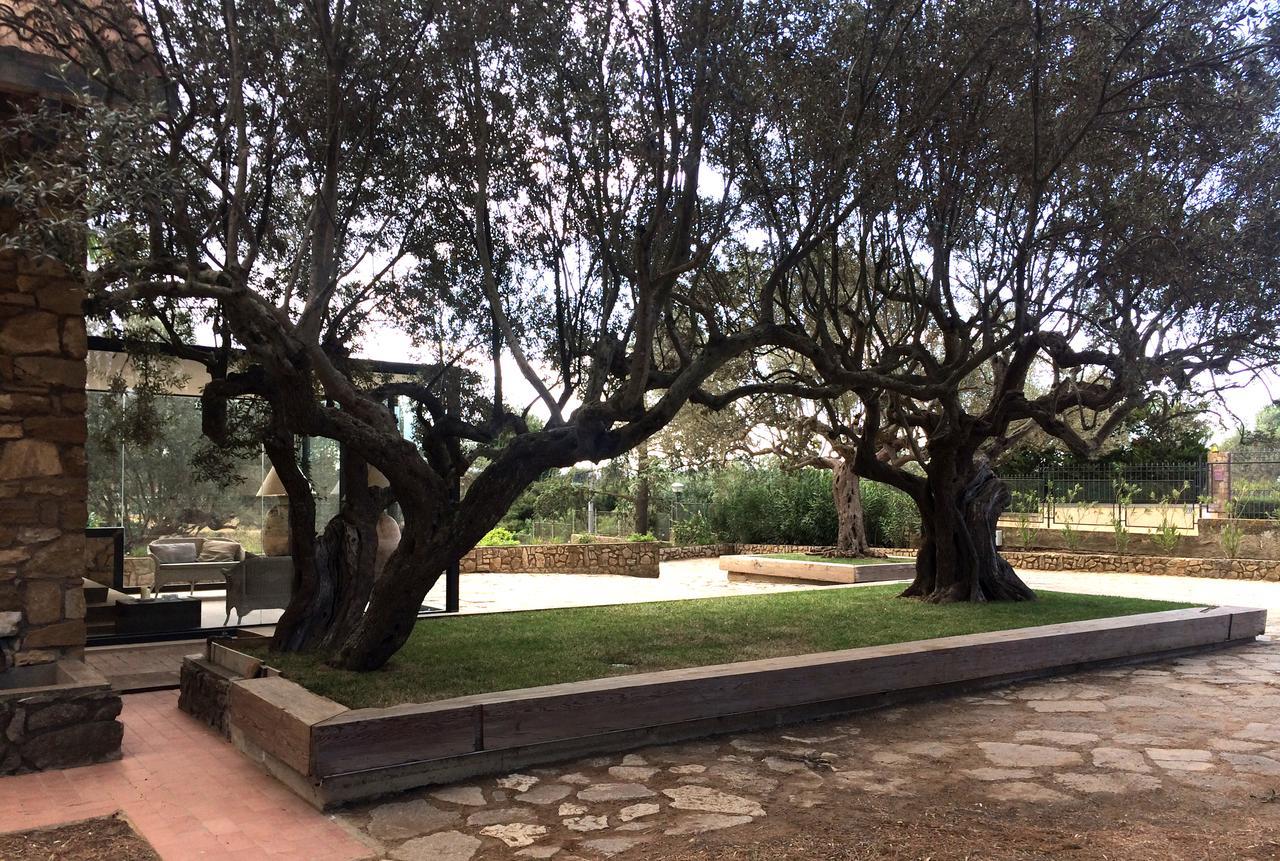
(1199, 733)
(686, 578)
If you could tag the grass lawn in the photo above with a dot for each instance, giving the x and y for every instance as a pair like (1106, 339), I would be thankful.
(460, 655)
(839, 560)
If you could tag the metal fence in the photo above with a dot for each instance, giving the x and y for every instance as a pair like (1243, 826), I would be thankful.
(1253, 479)
(1147, 496)
(614, 524)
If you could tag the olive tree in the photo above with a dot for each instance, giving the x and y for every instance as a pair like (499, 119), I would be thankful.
(554, 182)
(1087, 219)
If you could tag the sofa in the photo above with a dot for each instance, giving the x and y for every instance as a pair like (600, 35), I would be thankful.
(201, 560)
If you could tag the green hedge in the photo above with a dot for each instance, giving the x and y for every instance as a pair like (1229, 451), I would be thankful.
(773, 506)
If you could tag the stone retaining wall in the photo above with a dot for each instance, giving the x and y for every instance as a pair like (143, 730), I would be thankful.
(1036, 560)
(57, 715)
(697, 551)
(632, 559)
(1174, 566)
(50, 731)
(704, 551)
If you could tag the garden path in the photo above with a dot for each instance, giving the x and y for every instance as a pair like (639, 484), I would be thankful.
(1174, 760)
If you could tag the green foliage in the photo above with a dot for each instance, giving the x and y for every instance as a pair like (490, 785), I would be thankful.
(1067, 522)
(694, 530)
(890, 516)
(1160, 432)
(1231, 537)
(586, 539)
(775, 506)
(499, 536)
(641, 537)
(1124, 493)
(1167, 534)
(1025, 507)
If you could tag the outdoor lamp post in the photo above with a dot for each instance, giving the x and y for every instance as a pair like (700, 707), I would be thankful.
(676, 487)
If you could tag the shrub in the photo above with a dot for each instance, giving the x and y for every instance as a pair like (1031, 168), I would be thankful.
(773, 506)
(1167, 534)
(499, 536)
(641, 537)
(1231, 537)
(1025, 507)
(891, 517)
(586, 539)
(694, 530)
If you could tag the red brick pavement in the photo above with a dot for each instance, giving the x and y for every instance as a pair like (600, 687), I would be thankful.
(186, 790)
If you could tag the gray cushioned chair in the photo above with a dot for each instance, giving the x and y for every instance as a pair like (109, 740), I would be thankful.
(261, 583)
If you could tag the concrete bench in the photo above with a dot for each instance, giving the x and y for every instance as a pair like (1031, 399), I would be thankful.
(765, 568)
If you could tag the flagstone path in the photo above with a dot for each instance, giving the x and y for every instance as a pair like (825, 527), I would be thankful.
(1193, 741)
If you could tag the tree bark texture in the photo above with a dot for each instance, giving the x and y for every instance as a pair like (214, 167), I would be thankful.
(958, 559)
(334, 572)
(642, 489)
(851, 533)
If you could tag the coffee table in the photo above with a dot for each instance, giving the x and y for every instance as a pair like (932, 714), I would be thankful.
(157, 615)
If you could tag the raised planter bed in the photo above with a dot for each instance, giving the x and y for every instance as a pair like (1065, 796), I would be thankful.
(773, 569)
(331, 755)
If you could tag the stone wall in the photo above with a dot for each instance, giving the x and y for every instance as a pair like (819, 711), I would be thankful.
(42, 463)
(1036, 560)
(52, 731)
(632, 559)
(1175, 566)
(702, 551)
(139, 571)
(57, 715)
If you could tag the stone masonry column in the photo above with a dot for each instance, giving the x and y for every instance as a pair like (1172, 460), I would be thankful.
(43, 481)
(1219, 482)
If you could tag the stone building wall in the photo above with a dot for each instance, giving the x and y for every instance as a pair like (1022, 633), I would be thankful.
(632, 559)
(42, 463)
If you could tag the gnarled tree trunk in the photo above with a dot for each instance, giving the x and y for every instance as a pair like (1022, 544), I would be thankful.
(333, 572)
(642, 488)
(958, 559)
(851, 533)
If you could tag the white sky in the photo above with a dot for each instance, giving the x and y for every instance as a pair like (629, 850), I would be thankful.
(389, 344)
